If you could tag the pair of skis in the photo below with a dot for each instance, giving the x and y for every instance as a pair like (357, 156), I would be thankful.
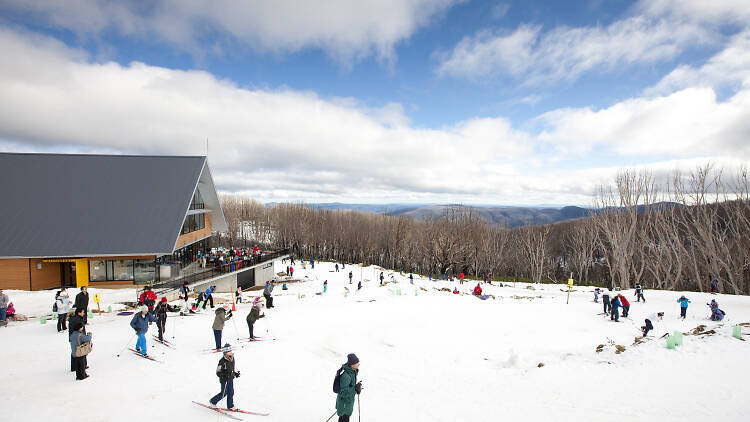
(165, 342)
(227, 412)
(145, 356)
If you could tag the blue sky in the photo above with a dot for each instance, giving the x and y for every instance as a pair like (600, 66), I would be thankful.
(429, 101)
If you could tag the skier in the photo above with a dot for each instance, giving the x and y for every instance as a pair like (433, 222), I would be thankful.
(605, 301)
(325, 286)
(78, 363)
(82, 302)
(714, 286)
(267, 294)
(337, 267)
(148, 298)
(222, 316)
(639, 293)
(359, 284)
(347, 387)
(477, 290)
(650, 321)
(209, 297)
(625, 305)
(381, 278)
(253, 316)
(615, 315)
(350, 277)
(161, 317)
(63, 307)
(411, 278)
(140, 325)
(716, 313)
(184, 292)
(683, 306)
(596, 295)
(225, 372)
(238, 294)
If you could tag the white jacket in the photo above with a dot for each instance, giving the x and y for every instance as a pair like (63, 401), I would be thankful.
(63, 304)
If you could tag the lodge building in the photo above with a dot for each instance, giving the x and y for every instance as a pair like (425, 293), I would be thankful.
(102, 220)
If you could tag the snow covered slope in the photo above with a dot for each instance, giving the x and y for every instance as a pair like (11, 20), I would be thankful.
(426, 355)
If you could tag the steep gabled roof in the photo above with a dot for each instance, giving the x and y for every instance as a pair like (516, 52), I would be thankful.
(65, 205)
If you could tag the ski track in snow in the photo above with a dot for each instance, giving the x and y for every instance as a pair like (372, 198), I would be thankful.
(433, 356)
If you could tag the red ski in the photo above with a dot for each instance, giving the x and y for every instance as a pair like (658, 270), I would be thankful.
(145, 357)
(217, 410)
(247, 412)
(166, 343)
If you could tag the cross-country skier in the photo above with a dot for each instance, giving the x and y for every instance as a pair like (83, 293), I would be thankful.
(140, 325)
(267, 291)
(615, 315)
(222, 316)
(226, 373)
(253, 316)
(639, 293)
(605, 301)
(350, 277)
(347, 388)
(184, 292)
(683, 306)
(161, 317)
(650, 321)
(381, 278)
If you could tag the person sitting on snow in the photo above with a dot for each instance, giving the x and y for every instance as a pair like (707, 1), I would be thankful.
(477, 290)
(716, 313)
(455, 291)
(10, 312)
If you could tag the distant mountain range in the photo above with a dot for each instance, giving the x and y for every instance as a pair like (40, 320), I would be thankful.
(501, 215)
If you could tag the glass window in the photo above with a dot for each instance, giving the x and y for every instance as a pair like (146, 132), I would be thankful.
(197, 202)
(97, 270)
(145, 270)
(122, 269)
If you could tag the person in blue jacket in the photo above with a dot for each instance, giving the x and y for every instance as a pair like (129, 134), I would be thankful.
(615, 315)
(140, 325)
(716, 313)
(683, 306)
(209, 297)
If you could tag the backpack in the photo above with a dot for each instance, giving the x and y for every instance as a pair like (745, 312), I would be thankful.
(337, 381)
(54, 306)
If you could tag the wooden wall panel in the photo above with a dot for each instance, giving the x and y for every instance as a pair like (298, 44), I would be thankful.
(14, 274)
(193, 237)
(49, 276)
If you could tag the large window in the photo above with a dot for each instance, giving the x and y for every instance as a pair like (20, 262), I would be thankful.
(98, 270)
(197, 202)
(145, 270)
(194, 222)
(122, 269)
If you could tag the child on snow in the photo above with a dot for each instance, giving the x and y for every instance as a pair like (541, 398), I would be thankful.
(625, 305)
(161, 317)
(650, 321)
(716, 313)
(605, 301)
(683, 306)
(615, 315)
(639, 293)
(596, 295)
(477, 290)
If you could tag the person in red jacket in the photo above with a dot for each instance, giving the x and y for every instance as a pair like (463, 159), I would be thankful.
(477, 290)
(461, 277)
(148, 298)
(625, 305)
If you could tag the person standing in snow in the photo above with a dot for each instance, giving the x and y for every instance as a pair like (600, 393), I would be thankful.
(411, 278)
(596, 295)
(161, 318)
(82, 302)
(714, 286)
(337, 267)
(148, 298)
(477, 290)
(184, 292)
(78, 363)
(63, 307)
(325, 286)
(605, 301)
(140, 324)
(347, 388)
(625, 305)
(359, 285)
(3, 306)
(238, 294)
(291, 271)
(639, 293)
(352, 275)
(226, 373)
(312, 263)
(683, 306)
(209, 297)
(253, 316)
(650, 321)
(381, 278)
(267, 293)
(221, 317)
(75, 321)
(615, 315)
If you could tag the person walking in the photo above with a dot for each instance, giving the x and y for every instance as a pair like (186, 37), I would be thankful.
(337, 267)
(381, 278)
(63, 307)
(161, 318)
(4, 300)
(140, 324)
(267, 291)
(221, 317)
(77, 338)
(411, 278)
(639, 293)
(253, 316)
(226, 373)
(596, 295)
(82, 302)
(683, 306)
(347, 387)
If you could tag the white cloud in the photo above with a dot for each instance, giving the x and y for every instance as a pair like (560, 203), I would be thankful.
(346, 30)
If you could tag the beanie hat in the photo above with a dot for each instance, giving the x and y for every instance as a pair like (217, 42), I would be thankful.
(144, 308)
(227, 348)
(163, 299)
(352, 359)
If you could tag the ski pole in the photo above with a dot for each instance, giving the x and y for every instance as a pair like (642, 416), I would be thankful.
(126, 345)
(359, 411)
(332, 415)
(236, 331)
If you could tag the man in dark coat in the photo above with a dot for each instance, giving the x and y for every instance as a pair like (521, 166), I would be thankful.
(82, 302)
(225, 372)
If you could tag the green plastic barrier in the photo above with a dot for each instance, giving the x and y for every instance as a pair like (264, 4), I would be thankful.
(91, 314)
(109, 309)
(677, 338)
(199, 305)
(670, 342)
(416, 292)
(737, 332)
(398, 292)
(54, 316)
(346, 293)
(43, 320)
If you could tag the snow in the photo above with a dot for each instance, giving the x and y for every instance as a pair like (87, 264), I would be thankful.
(434, 356)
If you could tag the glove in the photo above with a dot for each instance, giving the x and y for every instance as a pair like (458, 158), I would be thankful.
(262, 316)
(237, 374)
(358, 387)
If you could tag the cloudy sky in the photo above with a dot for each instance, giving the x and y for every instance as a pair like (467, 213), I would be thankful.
(383, 101)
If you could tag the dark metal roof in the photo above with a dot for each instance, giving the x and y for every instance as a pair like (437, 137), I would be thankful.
(65, 205)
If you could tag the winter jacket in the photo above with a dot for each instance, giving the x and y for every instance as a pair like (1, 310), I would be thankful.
(74, 323)
(209, 291)
(221, 317)
(82, 300)
(63, 304)
(345, 398)
(148, 297)
(624, 301)
(616, 303)
(605, 297)
(4, 301)
(683, 302)
(161, 311)
(477, 291)
(253, 315)
(184, 290)
(268, 289)
(225, 369)
(653, 318)
(140, 322)
(74, 340)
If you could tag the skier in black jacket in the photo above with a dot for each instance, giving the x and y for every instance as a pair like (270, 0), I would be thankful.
(82, 302)
(161, 317)
(225, 372)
